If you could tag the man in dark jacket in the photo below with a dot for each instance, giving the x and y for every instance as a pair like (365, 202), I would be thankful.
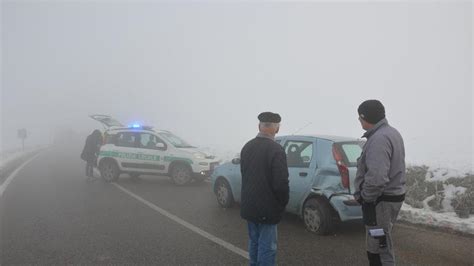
(265, 189)
(380, 181)
(91, 151)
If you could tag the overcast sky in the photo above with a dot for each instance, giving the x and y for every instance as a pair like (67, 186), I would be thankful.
(205, 70)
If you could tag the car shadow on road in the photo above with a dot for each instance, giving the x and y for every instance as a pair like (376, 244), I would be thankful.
(343, 228)
(161, 181)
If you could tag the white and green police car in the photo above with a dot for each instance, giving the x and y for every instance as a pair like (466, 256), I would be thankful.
(139, 150)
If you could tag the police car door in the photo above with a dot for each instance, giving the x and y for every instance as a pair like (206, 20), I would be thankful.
(301, 168)
(126, 150)
(151, 151)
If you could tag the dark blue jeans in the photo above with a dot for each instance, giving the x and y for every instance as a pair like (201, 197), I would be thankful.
(262, 243)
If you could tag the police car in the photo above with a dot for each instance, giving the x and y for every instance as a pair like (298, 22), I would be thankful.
(138, 150)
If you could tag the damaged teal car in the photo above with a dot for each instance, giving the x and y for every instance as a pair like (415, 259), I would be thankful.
(322, 171)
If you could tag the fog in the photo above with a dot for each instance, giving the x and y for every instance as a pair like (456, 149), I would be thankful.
(204, 70)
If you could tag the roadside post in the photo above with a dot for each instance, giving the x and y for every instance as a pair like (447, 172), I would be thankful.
(22, 134)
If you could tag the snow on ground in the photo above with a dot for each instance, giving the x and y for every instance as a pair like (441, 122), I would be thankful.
(446, 217)
(450, 192)
(447, 220)
(443, 174)
(9, 156)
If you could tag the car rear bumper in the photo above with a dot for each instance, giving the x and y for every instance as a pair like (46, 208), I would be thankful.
(346, 206)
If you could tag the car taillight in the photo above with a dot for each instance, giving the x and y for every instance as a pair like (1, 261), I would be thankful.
(343, 170)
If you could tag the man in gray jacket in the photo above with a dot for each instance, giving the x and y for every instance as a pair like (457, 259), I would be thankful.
(380, 181)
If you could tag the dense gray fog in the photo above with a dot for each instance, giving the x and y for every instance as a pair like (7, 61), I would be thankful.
(205, 70)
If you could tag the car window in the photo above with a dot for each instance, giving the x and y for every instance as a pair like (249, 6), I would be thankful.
(127, 139)
(175, 140)
(307, 154)
(299, 153)
(150, 141)
(110, 138)
(352, 151)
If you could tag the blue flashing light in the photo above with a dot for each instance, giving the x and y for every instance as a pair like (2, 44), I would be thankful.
(135, 126)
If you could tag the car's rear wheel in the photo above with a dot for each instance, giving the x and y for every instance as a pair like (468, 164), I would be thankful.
(181, 174)
(317, 216)
(224, 194)
(109, 171)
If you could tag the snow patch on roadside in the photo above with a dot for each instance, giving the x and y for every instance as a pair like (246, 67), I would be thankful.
(425, 202)
(447, 220)
(443, 174)
(9, 156)
(450, 192)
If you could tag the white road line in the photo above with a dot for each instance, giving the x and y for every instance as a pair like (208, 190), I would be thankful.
(182, 222)
(9, 179)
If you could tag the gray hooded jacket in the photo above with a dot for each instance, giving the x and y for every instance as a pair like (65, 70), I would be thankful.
(381, 166)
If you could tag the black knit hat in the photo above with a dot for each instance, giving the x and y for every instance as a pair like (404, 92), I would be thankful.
(371, 111)
(269, 117)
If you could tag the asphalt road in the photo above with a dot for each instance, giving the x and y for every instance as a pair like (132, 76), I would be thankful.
(50, 214)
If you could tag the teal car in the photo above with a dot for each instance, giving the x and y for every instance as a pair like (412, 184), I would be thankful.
(322, 171)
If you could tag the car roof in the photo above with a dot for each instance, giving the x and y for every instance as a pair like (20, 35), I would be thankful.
(142, 129)
(326, 137)
(122, 129)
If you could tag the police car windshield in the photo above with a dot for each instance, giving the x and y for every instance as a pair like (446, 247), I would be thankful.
(175, 140)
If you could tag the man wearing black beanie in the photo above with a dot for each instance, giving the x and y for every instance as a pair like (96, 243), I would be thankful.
(380, 181)
(371, 111)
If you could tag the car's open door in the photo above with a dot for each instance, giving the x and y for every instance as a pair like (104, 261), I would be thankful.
(106, 120)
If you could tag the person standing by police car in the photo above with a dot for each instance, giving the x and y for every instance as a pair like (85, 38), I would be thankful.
(380, 181)
(91, 151)
(265, 190)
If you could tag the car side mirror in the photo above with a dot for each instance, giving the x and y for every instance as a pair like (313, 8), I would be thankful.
(236, 161)
(160, 145)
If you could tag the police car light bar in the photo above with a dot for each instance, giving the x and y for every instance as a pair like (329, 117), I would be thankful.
(138, 126)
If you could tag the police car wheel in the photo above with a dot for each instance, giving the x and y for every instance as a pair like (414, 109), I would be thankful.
(181, 175)
(317, 216)
(224, 194)
(109, 171)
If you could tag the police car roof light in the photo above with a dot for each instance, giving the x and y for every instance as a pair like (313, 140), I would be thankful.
(138, 126)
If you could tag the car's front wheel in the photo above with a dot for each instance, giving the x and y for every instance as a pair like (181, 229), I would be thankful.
(317, 216)
(181, 174)
(109, 171)
(224, 194)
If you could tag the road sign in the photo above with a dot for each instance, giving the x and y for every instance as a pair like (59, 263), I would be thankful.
(22, 134)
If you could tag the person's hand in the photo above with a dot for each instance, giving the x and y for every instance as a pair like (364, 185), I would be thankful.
(358, 197)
